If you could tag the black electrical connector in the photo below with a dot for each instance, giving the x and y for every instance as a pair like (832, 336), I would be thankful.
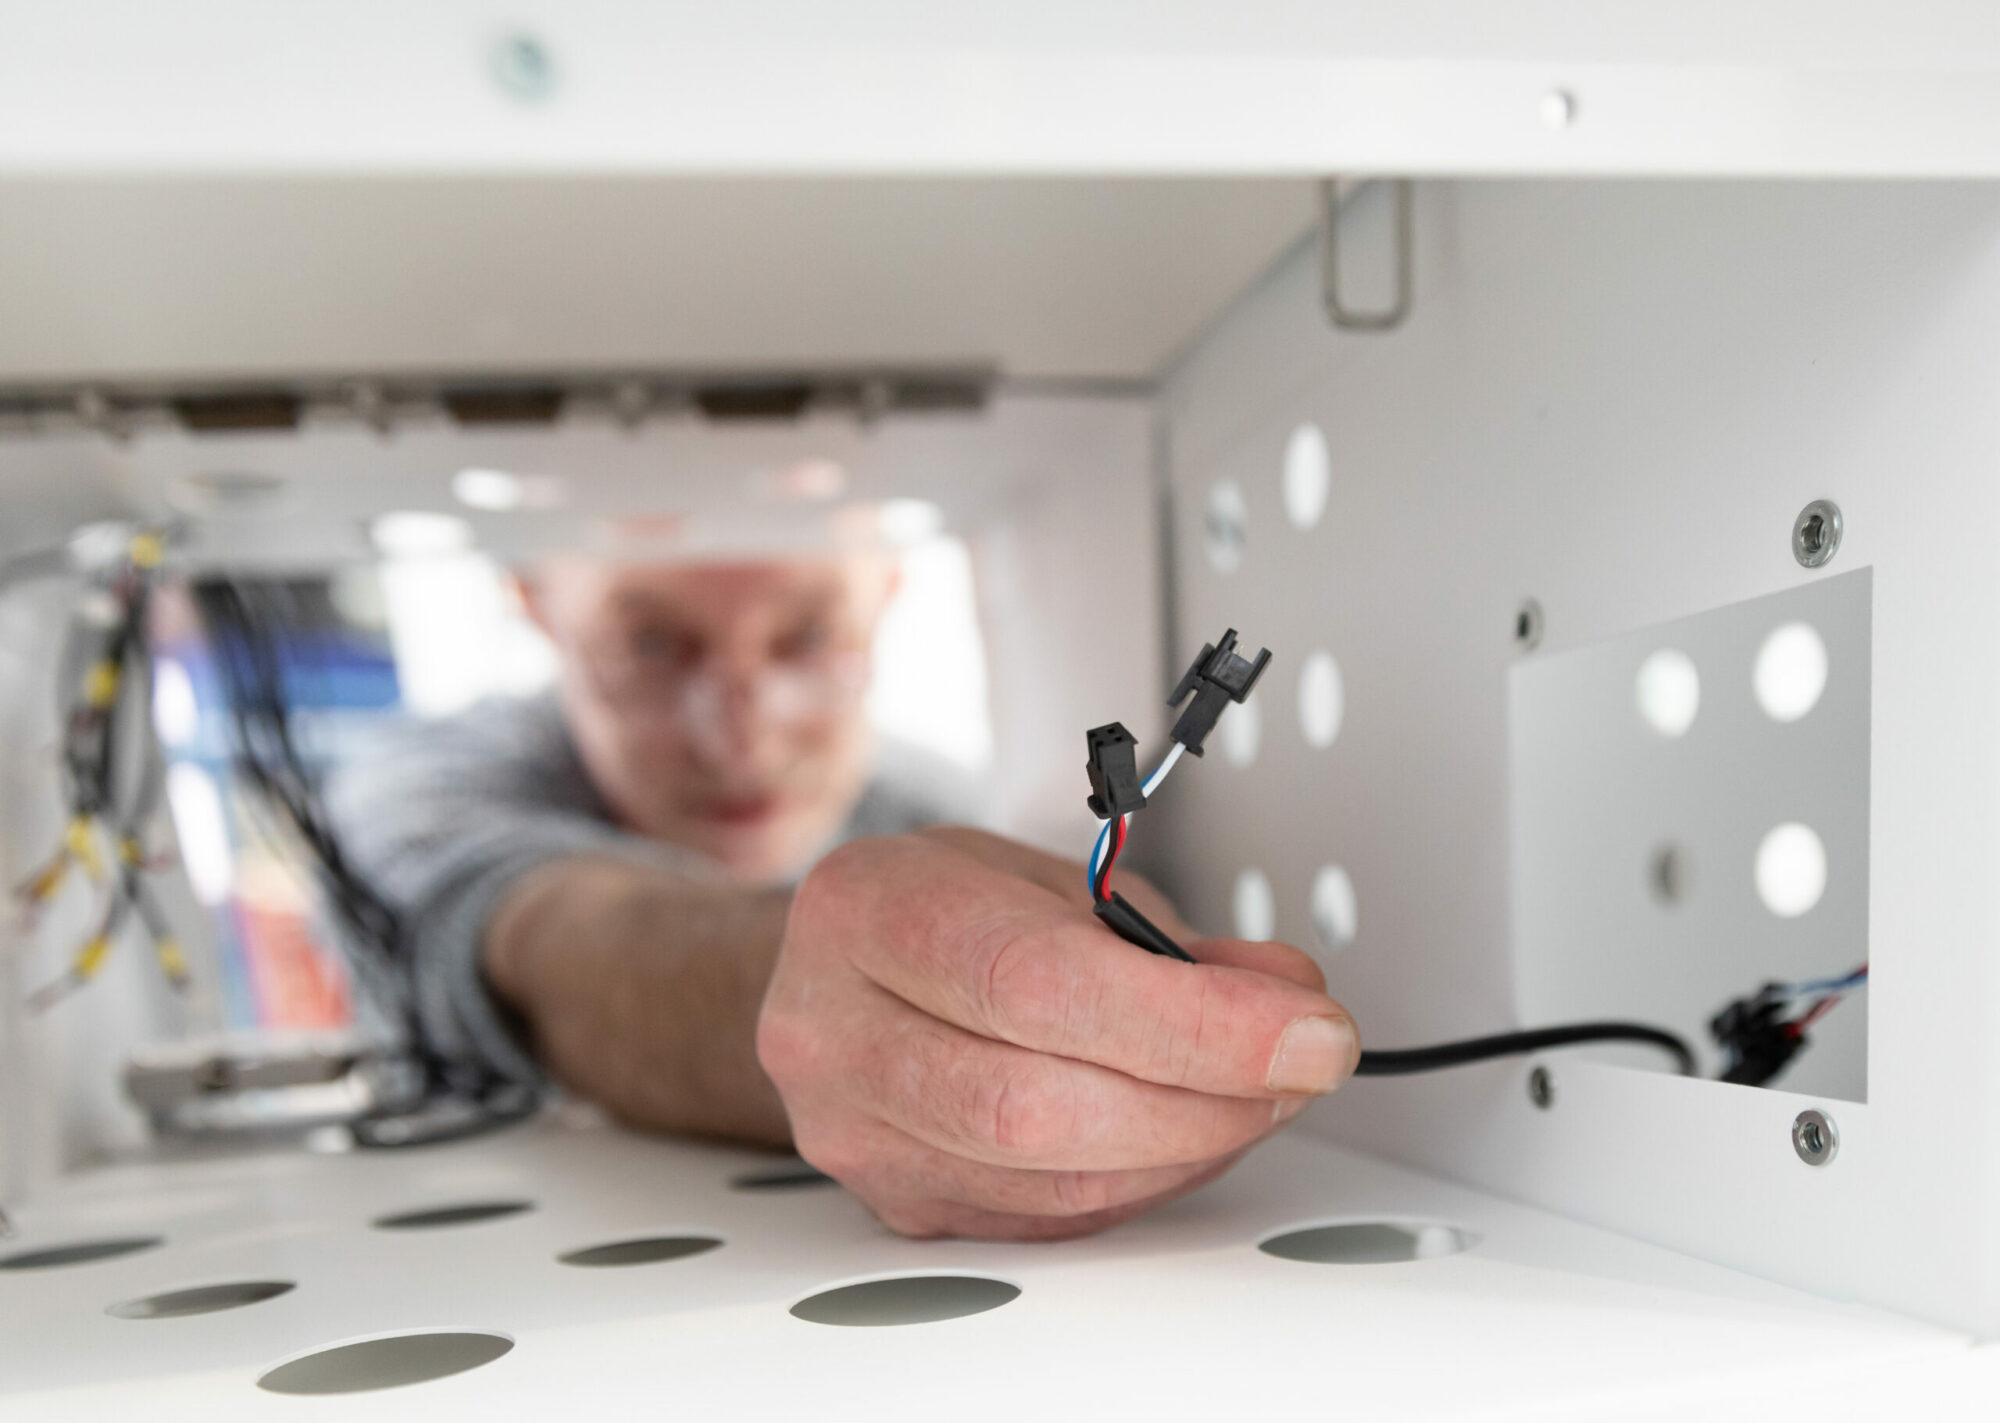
(1759, 1042)
(1217, 678)
(1115, 787)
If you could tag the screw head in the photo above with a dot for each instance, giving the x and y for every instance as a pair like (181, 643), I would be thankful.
(1528, 623)
(523, 67)
(1814, 1137)
(1816, 533)
(1542, 1088)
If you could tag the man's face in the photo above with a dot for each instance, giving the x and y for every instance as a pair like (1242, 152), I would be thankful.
(719, 706)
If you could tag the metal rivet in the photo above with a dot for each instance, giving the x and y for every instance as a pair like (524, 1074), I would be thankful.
(1528, 625)
(1816, 533)
(1542, 1088)
(523, 67)
(1814, 1137)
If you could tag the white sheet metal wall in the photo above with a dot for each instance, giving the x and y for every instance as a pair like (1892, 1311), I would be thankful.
(1615, 398)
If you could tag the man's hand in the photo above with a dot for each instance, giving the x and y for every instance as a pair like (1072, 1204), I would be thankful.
(960, 1043)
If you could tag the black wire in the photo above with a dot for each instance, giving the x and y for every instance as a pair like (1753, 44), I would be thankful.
(247, 629)
(246, 640)
(1399, 1061)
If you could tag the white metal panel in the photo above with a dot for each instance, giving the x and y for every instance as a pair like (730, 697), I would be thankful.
(250, 277)
(1174, 1317)
(1091, 86)
(1597, 797)
(1616, 398)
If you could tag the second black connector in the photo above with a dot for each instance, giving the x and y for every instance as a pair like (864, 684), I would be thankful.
(1217, 678)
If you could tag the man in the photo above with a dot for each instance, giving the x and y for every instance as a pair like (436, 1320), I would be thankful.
(598, 883)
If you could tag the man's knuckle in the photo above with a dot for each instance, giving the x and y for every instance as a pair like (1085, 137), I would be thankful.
(791, 1047)
(1028, 1114)
(1076, 1193)
(1023, 980)
(830, 1152)
(917, 1220)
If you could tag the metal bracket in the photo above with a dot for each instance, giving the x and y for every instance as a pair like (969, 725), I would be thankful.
(1389, 317)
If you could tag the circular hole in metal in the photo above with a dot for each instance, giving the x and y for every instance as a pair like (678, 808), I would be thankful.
(202, 1299)
(1225, 526)
(1369, 1242)
(466, 1213)
(1668, 691)
(80, 1252)
(643, 1250)
(785, 1178)
(388, 1362)
(1790, 869)
(1335, 914)
(1542, 1088)
(1558, 108)
(1790, 672)
(906, 1299)
(1668, 875)
(1814, 1137)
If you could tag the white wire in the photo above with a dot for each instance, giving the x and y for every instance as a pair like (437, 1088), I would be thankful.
(1151, 784)
(1160, 771)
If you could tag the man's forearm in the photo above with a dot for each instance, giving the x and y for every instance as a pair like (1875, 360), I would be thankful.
(642, 990)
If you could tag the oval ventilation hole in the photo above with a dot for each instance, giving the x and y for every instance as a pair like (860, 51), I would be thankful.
(644, 1250)
(80, 1252)
(388, 1362)
(202, 1299)
(439, 1217)
(1791, 672)
(1256, 907)
(1368, 1242)
(1242, 731)
(1322, 701)
(1225, 526)
(1791, 870)
(907, 1299)
(785, 1178)
(1668, 691)
(1308, 475)
(1335, 915)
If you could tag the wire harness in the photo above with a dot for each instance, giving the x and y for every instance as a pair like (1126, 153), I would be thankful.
(1758, 1037)
(112, 770)
(1216, 679)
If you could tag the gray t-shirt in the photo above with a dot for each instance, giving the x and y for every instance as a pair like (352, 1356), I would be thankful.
(444, 816)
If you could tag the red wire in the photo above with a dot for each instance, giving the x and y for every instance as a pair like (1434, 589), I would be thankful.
(1820, 1008)
(1110, 857)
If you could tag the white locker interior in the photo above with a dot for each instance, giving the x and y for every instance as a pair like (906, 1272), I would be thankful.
(1675, 273)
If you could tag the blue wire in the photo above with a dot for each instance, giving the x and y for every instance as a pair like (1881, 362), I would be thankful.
(1152, 783)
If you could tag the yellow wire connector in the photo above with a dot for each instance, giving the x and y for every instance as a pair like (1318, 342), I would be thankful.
(81, 843)
(173, 963)
(146, 550)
